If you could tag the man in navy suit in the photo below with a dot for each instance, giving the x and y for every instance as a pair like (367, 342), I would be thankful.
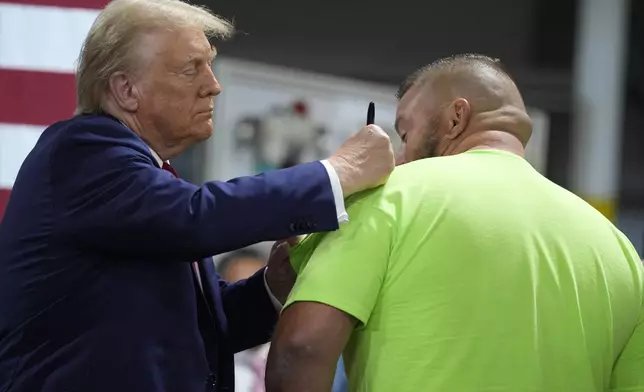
(106, 281)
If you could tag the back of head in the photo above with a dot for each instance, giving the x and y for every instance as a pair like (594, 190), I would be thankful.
(462, 95)
(112, 43)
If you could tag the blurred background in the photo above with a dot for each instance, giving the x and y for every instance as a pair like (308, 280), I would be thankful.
(298, 76)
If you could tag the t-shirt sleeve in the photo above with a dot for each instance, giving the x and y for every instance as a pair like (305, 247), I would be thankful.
(347, 267)
(628, 372)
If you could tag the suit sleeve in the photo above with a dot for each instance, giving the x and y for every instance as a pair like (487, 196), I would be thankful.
(250, 313)
(108, 194)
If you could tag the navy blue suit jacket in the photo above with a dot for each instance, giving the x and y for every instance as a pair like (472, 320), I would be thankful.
(96, 288)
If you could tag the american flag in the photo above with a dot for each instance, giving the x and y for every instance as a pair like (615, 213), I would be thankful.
(39, 44)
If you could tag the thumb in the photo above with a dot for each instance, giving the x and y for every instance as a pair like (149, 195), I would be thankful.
(280, 251)
(375, 128)
(292, 241)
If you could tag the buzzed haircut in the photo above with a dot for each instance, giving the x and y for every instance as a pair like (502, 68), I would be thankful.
(450, 63)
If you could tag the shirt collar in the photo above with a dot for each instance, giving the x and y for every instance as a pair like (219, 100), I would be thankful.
(156, 156)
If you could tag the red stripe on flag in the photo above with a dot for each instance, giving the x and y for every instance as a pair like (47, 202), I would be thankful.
(36, 98)
(88, 4)
(4, 199)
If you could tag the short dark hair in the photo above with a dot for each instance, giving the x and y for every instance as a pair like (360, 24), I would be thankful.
(450, 62)
(246, 253)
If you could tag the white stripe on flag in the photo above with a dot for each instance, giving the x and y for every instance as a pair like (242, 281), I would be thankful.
(40, 38)
(16, 141)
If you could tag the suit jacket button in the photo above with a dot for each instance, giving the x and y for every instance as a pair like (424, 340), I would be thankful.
(292, 227)
(311, 225)
(211, 380)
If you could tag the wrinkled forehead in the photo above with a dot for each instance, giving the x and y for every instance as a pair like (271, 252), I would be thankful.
(179, 45)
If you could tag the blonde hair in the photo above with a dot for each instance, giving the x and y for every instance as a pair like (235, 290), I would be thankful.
(111, 44)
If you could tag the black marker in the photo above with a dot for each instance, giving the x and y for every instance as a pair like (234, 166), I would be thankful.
(371, 113)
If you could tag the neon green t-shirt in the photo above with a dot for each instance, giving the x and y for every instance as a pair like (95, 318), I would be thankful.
(475, 273)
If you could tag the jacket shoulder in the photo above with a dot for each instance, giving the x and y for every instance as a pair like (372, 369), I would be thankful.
(86, 130)
(94, 142)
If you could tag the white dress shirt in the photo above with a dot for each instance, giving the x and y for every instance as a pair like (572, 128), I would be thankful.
(340, 210)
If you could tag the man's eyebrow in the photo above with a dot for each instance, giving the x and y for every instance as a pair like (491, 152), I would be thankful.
(191, 59)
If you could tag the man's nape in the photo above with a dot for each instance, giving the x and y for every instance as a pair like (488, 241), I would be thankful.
(498, 116)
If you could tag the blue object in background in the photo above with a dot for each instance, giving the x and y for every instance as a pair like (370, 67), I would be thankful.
(340, 383)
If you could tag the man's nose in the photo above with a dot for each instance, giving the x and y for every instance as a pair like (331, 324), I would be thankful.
(211, 87)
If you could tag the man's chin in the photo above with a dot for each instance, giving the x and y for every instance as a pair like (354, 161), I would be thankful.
(205, 132)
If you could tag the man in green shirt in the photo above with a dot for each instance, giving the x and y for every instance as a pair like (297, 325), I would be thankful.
(467, 271)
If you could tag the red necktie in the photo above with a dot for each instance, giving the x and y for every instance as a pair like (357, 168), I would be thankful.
(195, 266)
(168, 167)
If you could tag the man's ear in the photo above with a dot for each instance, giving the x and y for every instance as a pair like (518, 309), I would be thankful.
(458, 114)
(124, 91)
